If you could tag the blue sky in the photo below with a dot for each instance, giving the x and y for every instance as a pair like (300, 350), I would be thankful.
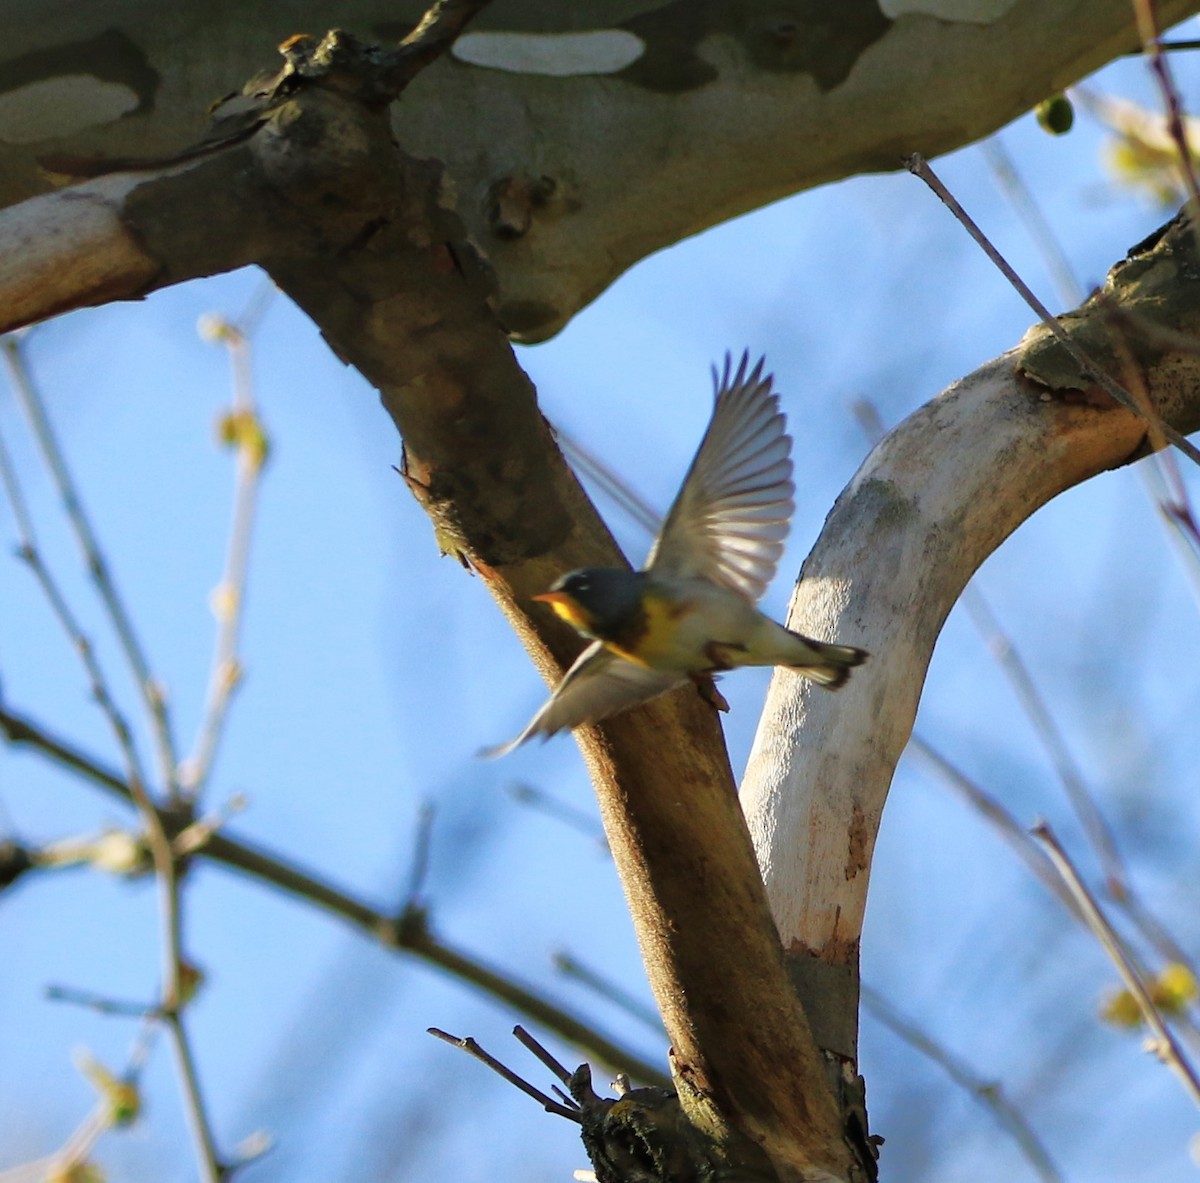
(376, 669)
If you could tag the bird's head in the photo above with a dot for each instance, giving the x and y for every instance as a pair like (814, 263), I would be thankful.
(594, 600)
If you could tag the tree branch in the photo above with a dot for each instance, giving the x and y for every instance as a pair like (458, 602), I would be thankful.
(407, 933)
(929, 504)
(584, 138)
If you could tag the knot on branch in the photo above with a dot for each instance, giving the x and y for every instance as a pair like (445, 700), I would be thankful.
(15, 860)
(1126, 329)
(643, 1136)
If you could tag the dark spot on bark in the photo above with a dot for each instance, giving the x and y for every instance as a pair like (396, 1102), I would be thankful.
(110, 57)
(513, 203)
(793, 36)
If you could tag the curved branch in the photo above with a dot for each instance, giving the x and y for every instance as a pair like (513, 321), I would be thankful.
(930, 503)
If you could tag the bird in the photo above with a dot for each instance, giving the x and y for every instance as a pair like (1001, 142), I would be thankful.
(690, 612)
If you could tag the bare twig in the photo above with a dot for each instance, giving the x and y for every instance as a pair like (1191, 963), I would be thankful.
(242, 429)
(165, 861)
(1160, 68)
(562, 811)
(531, 1044)
(1183, 44)
(212, 1168)
(391, 932)
(919, 167)
(149, 686)
(570, 967)
(989, 1093)
(1002, 648)
(31, 555)
(1161, 473)
(1165, 1045)
(1010, 830)
(100, 1004)
(469, 1046)
(610, 481)
(1011, 183)
(420, 861)
(1166, 485)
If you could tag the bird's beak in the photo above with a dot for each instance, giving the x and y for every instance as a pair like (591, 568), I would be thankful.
(566, 607)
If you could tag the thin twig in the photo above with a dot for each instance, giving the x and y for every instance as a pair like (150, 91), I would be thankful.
(1013, 186)
(569, 967)
(1166, 485)
(1013, 833)
(246, 858)
(420, 860)
(585, 823)
(1160, 475)
(134, 784)
(150, 688)
(989, 1093)
(1182, 44)
(1159, 67)
(531, 1044)
(1165, 1046)
(469, 1046)
(1040, 864)
(212, 1168)
(243, 431)
(610, 481)
(1002, 648)
(100, 1004)
(919, 167)
(30, 554)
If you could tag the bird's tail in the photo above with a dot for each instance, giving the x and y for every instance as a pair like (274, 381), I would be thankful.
(829, 665)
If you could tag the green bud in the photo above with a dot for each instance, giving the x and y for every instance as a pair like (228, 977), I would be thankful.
(1055, 114)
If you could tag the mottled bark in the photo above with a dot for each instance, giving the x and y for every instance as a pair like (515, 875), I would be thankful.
(580, 137)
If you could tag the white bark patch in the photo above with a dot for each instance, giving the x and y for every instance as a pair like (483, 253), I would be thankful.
(53, 107)
(967, 12)
(557, 55)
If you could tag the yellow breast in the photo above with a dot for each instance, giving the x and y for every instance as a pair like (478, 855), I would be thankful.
(655, 640)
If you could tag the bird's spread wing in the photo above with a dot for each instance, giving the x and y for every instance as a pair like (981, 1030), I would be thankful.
(731, 517)
(599, 684)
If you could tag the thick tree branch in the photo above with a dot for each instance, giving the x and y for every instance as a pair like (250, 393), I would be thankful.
(930, 503)
(581, 136)
(404, 303)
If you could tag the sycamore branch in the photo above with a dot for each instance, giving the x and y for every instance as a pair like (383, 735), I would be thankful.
(930, 503)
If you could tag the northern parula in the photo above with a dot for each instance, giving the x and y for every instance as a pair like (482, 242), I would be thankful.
(690, 613)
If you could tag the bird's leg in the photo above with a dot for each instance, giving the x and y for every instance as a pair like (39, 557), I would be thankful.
(707, 686)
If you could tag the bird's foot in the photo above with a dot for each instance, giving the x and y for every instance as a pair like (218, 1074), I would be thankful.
(707, 686)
